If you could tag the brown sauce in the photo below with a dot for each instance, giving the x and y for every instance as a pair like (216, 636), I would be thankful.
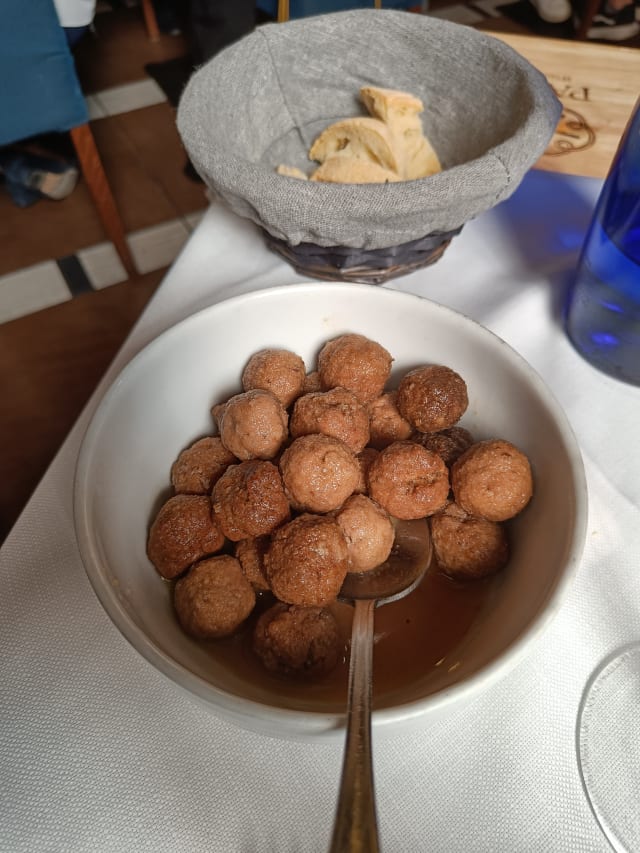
(413, 636)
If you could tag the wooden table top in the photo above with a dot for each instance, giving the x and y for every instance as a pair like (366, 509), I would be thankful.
(598, 85)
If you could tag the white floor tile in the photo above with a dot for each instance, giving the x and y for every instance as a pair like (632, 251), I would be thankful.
(130, 96)
(157, 247)
(102, 265)
(31, 289)
(95, 108)
(459, 14)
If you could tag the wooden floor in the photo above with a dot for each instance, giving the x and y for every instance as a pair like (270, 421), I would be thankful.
(51, 360)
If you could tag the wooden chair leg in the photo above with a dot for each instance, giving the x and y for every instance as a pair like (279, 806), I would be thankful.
(98, 185)
(150, 20)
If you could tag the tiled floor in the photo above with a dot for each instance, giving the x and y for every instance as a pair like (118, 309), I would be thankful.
(65, 306)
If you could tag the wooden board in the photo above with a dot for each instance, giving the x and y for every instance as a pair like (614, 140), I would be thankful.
(598, 85)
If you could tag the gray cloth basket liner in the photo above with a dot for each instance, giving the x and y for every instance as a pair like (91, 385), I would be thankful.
(262, 101)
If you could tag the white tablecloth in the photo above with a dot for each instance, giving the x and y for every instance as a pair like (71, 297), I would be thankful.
(98, 752)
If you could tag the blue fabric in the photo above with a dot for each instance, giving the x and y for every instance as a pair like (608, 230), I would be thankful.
(39, 88)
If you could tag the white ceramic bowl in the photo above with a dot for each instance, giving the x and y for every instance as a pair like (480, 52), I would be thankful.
(161, 402)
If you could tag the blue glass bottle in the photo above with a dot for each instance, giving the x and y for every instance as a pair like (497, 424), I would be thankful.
(603, 311)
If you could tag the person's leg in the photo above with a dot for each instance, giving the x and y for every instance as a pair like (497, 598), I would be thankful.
(74, 34)
(169, 16)
(29, 176)
(214, 24)
(614, 21)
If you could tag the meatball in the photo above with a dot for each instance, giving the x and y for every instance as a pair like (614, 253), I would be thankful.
(386, 424)
(312, 382)
(432, 398)
(303, 642)
(368, 531)
(250, 553)
(184, 531)
(337, 412)
(216, 413)
(364, 458)
(198, 467)
(277, 370)
(249, 499)
(492, 479)
(449, 444)
(307, 560)
(319, 473)
(253, 425)
(356, 363)
(467, 546)
(408, 480)
(214, 598)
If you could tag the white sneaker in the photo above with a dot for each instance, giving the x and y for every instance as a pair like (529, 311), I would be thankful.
(614, 25)
(553, 11)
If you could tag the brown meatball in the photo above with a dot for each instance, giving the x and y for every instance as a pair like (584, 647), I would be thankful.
(356, 363)
(250, 553)
(198, 467)
(249, 500)
(432, 397)
(303, 642)
(253, 425)
(307, 560)
(386, 424)
(319, 472)
(368, 531)
(184, 530)
(312, 383)
(214, 598)
(277, 370)
(337, 412)
(467, 546)
(449, 444)
(364, 458)
(408, 480)
(492, 479)
(216, 413)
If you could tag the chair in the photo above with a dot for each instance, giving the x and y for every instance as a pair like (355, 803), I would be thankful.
(150, 20)
(40, 93)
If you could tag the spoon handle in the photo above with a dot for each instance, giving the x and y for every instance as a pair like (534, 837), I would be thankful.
(355, 827)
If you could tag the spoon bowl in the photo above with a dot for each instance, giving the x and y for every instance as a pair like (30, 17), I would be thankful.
(401, 572)
(356, 825)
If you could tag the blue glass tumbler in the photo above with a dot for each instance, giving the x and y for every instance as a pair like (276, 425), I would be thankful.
(602, 315)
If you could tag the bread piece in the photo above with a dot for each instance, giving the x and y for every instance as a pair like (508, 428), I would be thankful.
(401, 112)
(291, 172)
(419, 160)
(350, 170)
(387, 104)
(362, 138)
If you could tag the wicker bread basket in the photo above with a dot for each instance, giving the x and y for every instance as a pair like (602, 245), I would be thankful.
(261, 102)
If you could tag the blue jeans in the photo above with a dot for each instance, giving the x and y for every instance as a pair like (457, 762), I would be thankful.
(74, 34)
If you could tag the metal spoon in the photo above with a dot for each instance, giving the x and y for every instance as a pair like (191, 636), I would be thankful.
(356, 827)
